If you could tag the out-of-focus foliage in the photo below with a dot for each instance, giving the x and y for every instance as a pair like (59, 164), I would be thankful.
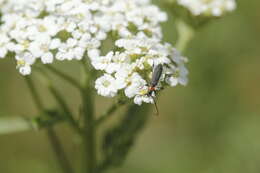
(210, 126)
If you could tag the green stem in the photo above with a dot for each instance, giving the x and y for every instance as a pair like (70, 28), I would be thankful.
(60, 100)
(34, 94)
(185, 33)
(118, 140)
(89, 130)
(65, 109)
(57, 147)
(89, 139)
(59, 151)
(109, 112)
(64, 76)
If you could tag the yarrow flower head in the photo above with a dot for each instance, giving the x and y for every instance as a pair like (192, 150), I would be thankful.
(41, 31)
(208, 7)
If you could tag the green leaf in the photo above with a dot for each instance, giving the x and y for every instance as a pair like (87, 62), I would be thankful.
(118, 140)
(9, 125)
(50, 118)
(14, 124)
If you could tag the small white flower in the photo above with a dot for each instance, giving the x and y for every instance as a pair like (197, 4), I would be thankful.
(139, 99)
(132, 82)
(24, 62)
(101, 63)
(47, 58)
(134, 86)
(101, 35)
(177, 76)
(40, 46)
(70, 50)
(25, 59)
(46, 26)
(55, 43)
(3, 44)
(25, 70)
(93, 54)
(106, 86)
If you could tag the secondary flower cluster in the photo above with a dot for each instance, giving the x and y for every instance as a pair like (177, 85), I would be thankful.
(132, 68)
(208, 7)
(45, 30)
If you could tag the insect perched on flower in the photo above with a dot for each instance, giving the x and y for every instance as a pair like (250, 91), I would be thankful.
(157, 73)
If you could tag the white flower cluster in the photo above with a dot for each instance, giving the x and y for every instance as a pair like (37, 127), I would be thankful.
(208, 7)
(131, 70)
(46, 30)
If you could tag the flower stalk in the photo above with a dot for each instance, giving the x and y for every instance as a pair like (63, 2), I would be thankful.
(59, 151)
(89, 138)
(74, 124)
(111, 110)
(53, 138)
(64, 108)
(185, 35)
(64, 76)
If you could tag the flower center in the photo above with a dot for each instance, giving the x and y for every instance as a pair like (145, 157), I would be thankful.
(42, 28)
(44, 47)
(25, 44)
(176, 74)
(143, 92)
(106, 83)
(20, 63)
(207, 1)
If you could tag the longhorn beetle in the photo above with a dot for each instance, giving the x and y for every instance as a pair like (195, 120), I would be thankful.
(157, 73)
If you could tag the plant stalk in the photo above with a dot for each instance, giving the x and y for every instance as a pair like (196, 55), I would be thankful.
(59, 151)
(60, 100)
(109, 112)
(89, 136)
(55, 143)
(185, 34)
(64, 76)
(74, 124)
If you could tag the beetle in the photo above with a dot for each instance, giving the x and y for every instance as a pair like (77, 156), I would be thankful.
(157, 73)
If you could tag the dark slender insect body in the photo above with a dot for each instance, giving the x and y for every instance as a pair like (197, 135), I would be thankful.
(157, 73)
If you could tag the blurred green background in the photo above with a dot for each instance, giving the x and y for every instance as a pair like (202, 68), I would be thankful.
(210, 126)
